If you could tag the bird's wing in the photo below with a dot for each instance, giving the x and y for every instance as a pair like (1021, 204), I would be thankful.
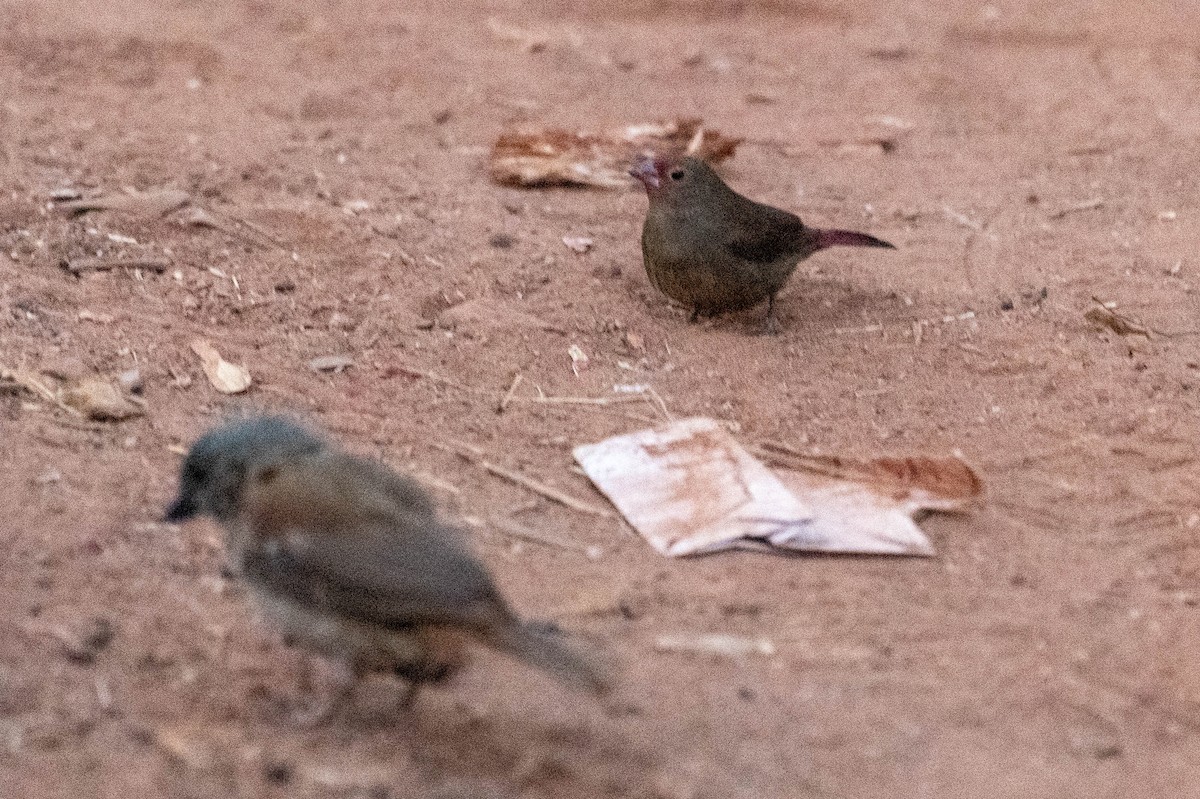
(762, 233)
(394, 574)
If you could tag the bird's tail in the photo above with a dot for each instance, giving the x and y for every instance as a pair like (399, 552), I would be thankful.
(848, 238)
(544, 647)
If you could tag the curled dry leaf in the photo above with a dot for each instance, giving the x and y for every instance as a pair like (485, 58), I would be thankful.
(579, 359)
(150, 203)
(556, 157)
(1104, 316)
(99, 399)
(224, 376)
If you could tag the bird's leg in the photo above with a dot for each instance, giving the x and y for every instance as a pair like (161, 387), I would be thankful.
(322, 711)
(410, 696)
(772, 328)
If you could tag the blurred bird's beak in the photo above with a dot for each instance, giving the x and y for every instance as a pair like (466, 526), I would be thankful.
(184, 507)
(645, 171)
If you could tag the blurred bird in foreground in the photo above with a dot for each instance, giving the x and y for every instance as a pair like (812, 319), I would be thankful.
(350, 560)
(713, 250)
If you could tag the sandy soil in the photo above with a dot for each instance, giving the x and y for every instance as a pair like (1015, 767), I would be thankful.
(1046, 155)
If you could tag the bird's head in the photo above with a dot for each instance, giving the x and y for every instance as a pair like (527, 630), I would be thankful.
(675, 179)
(214, 472)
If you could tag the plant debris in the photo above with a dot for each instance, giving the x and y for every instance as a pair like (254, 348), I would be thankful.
(719, 644)
(77, 266)
(158, 202)
(98, 399)
(331, 363)
(579, 244)
(224, 376)
(1104, 315)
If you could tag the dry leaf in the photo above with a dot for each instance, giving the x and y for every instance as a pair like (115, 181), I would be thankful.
(1122, 325)
(150, 203)
(98, 399)
(225, 377)
(579, 359)
(689, 488)
(555, 157)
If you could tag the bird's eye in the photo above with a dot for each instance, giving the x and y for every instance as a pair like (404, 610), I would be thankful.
(677, 174)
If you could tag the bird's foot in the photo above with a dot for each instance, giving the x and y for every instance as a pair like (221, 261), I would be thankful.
(772, 326)
(409, 698)
(341, 694)
(317, 714)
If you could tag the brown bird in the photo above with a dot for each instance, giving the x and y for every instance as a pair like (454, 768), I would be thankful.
(350, 560)
(713, 250)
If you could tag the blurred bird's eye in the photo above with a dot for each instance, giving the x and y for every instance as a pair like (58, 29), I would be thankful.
(677, 174)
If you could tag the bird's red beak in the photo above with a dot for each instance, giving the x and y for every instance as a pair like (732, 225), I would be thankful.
(646, 170)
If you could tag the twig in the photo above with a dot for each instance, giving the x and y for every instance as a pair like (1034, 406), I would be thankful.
(508, 395)
(1124, 325)
(517, 530)
(1086, 205)
(662, 406)
(77, 266)
(874, 328)
(475, 455)
(260, 230)
(962, 219)
(542, 399)
(412, 371)
(434, 482)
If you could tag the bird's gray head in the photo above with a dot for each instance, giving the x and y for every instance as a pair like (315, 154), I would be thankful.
(212, 476)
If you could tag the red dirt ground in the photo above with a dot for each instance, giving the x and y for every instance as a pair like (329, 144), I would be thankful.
(1049, 649)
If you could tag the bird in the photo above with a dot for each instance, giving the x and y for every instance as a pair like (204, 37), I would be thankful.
(351, 561)
(713, 250)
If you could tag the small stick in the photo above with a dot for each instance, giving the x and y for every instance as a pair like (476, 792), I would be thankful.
(962, 219)
(260, 230)
(508, 395)
(1086, 205)
(475, 455)
(662, 406)
(77, 266)
(875, 328)
(516, 530)
(544, 400)
(414, 372)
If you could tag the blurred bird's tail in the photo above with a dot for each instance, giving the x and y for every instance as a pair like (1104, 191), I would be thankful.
(544, 647)
(848, 238)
